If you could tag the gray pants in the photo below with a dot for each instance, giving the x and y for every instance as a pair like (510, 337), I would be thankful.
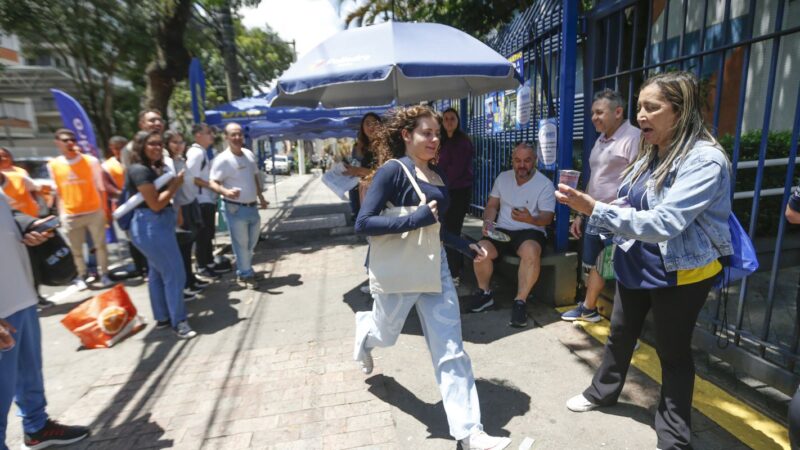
(441, 324)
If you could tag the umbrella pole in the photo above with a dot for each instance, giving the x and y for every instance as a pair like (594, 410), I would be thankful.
(274, 180)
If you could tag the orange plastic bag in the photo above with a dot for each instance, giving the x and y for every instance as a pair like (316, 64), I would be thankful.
(104, 320)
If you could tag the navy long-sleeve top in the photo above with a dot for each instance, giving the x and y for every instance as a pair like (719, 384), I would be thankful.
(391, 184)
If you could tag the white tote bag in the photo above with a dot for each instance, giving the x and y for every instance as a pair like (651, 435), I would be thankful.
(409, 261)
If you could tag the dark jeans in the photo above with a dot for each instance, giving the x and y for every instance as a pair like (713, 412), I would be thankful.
(139, 260)
(453, 222)
(355, 201)
(675, 311)
(204, 247)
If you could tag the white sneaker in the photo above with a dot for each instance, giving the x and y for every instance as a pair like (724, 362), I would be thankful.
(580, 404)
(367, 364)
(105, 281)
(184, 331)
(364, 289)
(79, 284)
(482, 441)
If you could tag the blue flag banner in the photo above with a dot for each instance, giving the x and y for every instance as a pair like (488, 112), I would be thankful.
(75, 119)
(197, 86)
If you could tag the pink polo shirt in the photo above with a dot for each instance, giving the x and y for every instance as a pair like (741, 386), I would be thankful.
(609, 157)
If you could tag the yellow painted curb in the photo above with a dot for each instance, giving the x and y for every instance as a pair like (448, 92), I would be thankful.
(742, 421)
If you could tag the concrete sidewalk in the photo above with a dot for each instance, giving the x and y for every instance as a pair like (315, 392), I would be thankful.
(273, 368)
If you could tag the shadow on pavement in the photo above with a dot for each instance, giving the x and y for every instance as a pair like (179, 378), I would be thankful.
(500, 402)
(479, 328)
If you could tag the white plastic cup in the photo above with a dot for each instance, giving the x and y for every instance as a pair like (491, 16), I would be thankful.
(569, 177)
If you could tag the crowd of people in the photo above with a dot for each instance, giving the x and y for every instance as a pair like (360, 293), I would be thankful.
(661, 191)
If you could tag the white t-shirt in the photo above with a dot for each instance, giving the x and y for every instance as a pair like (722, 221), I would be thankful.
(537, 195)
(199, 166)
(188, 190)
(16, 275)
(233, 171)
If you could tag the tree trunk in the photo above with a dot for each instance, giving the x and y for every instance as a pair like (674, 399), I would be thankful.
(228, 50)
(171, 63)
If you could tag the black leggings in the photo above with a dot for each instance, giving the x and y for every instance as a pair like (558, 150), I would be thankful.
(675, 311)
(794, 421)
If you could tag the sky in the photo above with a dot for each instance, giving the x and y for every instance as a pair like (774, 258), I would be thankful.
(308, 22)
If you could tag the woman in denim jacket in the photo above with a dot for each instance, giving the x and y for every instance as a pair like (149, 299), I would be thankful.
(670, 223)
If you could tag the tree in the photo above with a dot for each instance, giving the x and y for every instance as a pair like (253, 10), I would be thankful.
(221, 18)
(170, 62)
(476, 17)
(99, 39)
(262, 56)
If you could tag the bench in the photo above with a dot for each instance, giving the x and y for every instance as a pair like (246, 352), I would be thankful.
(556, 284)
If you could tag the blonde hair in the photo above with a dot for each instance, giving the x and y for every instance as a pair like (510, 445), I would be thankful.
(682, 91)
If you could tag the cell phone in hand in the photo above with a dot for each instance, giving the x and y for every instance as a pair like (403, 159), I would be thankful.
(48, 225)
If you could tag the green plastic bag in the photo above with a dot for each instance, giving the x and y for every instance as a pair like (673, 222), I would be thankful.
(605, 263)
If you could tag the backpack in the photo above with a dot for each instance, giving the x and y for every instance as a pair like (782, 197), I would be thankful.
(124, 221)
(52, 262)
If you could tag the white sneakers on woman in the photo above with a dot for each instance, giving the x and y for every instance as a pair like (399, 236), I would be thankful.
(579, 403)
(367, 364)
(482, 441)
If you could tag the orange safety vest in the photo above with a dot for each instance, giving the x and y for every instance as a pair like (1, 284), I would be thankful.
(116, 170)
(76, 186)
(20, 197)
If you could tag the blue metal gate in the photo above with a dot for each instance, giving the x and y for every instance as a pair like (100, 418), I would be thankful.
(745, 53)
(539, 34)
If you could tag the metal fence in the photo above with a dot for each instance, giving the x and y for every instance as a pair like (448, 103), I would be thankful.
(538, 34)
(745, 53)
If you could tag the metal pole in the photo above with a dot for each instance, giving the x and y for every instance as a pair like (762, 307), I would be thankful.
(569, 38)
(274, 181)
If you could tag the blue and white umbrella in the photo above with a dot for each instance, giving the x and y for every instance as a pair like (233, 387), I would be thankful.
(317, 128)
(256, 109)
(394, 61)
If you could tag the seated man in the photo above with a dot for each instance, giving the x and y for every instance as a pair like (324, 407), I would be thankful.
(526, 204)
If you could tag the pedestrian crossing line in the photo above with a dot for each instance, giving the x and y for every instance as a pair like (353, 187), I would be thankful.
(751, 427)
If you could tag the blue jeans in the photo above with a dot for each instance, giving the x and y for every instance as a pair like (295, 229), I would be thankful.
(21, 374)
(154, 235)
(244, 224)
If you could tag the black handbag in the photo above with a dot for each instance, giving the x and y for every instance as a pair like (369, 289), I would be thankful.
(52, 262)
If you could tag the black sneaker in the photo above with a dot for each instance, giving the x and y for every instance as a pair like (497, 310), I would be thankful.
(519, 316)
(53, 433)
(217, 268)
(483, 301)
(44, 303)
(163, 323)
(208, 274)
(200, 284)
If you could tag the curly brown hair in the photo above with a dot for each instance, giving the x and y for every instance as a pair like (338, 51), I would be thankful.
(389, 143)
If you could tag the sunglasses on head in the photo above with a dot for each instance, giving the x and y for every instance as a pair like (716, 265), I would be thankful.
(68, 140)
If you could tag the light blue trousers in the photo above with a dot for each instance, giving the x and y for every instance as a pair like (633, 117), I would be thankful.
(441, 323)
(154, 235)
(244, 223)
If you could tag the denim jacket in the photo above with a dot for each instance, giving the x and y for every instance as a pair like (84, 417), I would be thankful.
(688, 218)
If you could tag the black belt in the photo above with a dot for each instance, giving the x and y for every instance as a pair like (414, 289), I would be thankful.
(240, 204)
